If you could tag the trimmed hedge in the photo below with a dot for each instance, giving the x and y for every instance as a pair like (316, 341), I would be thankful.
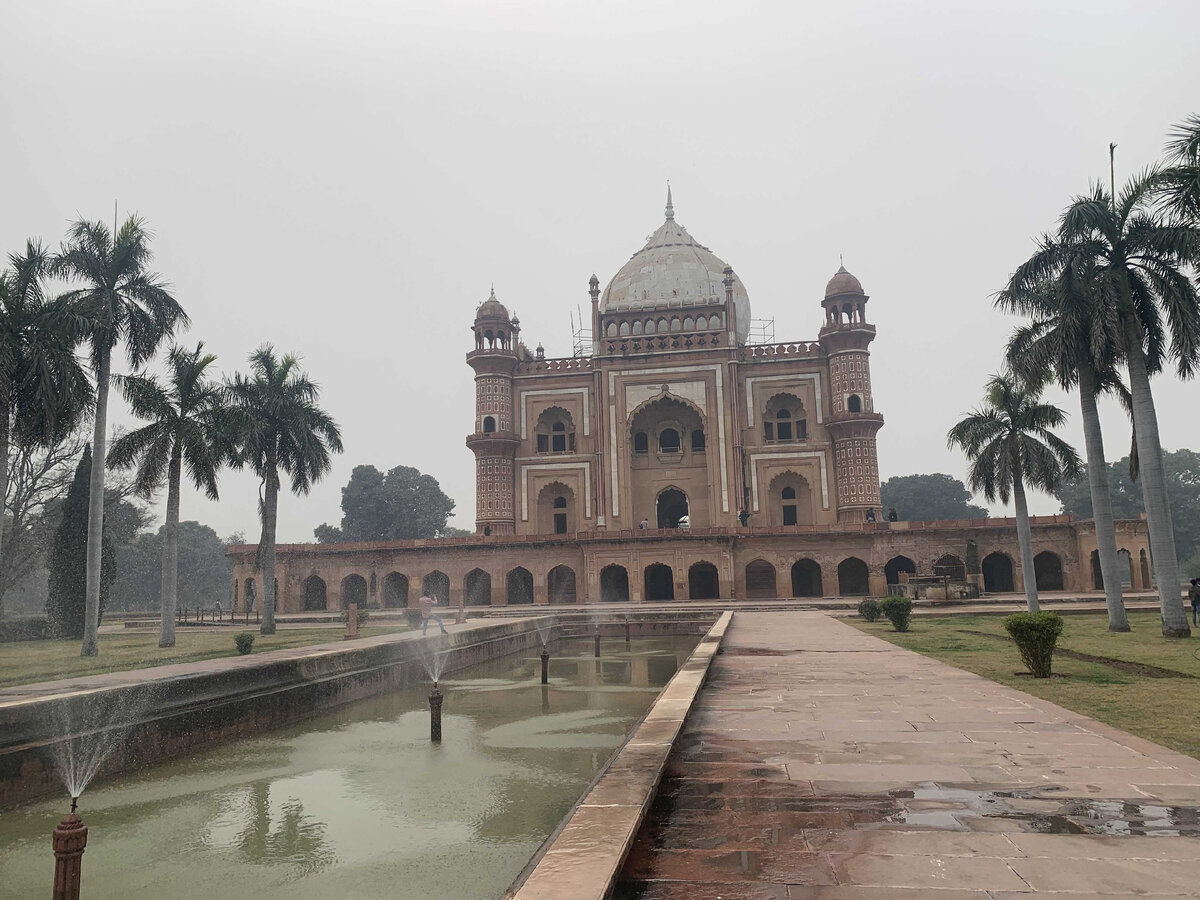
(897, 610)
(244, 642)
(1035, 635)
(31, 629)
(869, 610)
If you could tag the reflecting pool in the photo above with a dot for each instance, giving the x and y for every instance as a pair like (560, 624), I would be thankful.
(357, 803)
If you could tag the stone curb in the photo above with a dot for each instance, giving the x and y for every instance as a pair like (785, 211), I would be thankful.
(582, 861)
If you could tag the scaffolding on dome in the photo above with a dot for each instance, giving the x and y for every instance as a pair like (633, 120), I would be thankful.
(581, 336)
(762, 331)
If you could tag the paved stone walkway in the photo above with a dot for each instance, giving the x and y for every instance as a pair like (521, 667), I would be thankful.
(821, 763)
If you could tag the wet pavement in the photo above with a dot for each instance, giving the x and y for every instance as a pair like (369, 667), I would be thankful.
(821, 762)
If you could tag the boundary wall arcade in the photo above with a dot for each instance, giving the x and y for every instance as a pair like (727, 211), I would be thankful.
(670, 564)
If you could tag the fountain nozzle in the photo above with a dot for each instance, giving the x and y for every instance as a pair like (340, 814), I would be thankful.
(545, 665)
(74, 804)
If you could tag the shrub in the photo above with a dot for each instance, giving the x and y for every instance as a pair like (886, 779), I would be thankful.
(244, 642)
(1035, 635)
(897, 610)
(869, 610)
(363, 615)
(414, 617)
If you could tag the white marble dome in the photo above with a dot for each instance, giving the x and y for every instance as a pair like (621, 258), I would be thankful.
(673, 271)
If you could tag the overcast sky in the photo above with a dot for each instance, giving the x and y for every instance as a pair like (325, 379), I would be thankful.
(346, 180)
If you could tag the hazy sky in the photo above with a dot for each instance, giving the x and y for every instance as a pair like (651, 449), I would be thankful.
(346, 180)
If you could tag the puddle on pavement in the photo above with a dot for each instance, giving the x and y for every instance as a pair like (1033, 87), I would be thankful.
(744, 805)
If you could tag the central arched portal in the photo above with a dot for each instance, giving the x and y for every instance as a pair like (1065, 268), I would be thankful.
(660, 582)
(672, 506)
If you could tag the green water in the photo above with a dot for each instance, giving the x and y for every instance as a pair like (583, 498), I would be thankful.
(357, 803)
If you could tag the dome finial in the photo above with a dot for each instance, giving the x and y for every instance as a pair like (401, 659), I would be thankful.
(670, 206)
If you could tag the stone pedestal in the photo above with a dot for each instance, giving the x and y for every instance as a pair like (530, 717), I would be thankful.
(70, 839)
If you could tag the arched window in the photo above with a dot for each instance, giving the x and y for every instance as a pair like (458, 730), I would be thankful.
(555, 431)
(789, 493)
(697, 440)
(641, 443)
(784, 419)
(668, 440)
(560, 502)
(854, 404)
(489, 424)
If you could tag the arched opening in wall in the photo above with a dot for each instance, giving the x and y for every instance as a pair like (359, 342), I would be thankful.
(671, 506)
(760, 580)
(1146, 585)
(853, 577)
(950, 566)
(477, 588)
(668, 440)
(660, 582)
(854, 404)
(790, 499)
(556, 509)
(555, 431)
(354, 590)
(997, 571)
(697, 441)
(519, 586)
(665, 421)
(395, 591)
(895, 566)
(806, 578)
(1125, 567)
(1097, 572)
(250, 590)
(784, 419)
(489, 424)
(560, 515)
(614, 584)
(560, 584)
(437, 585)
(703, 582)
(641, 443)
(314, 593)
(1047, 567)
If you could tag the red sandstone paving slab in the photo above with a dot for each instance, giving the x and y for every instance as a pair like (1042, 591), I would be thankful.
(1075, 846)
(915, 843)
(963, 873)
(717, 866)
(678, 768)
(875, 771)
(693, 890)
(859, 892)
(1131, 876)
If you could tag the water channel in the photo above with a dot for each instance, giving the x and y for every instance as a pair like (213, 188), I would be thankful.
(357, 803)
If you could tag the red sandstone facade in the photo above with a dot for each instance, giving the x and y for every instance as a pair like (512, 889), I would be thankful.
(678, 422)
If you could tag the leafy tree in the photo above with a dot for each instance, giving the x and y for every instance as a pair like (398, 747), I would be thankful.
(67, 602)
(279, 428)
(1137, 266)
(121, 302)
(1178, 183)
(452, 531)
(44, 390)
(1182, 469)
(1010, 444)
(1072, 340)
(402, 505)
(189, 426)
(928, 498)
(204, 569)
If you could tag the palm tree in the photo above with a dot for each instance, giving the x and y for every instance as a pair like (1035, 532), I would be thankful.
(122, 302)
(1178, 184)
(189, 425)
(43, 389)
(1010, 444)
(279, 428)
(1138, 271)
(1079, 346)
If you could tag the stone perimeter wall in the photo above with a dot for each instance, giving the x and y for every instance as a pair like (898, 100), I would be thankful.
(476, 570)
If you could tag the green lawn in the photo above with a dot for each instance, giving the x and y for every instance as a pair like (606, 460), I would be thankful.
(1164, 710)
(28, 662)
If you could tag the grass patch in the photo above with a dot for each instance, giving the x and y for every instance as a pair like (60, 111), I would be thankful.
(1163, 710)
(29, 662)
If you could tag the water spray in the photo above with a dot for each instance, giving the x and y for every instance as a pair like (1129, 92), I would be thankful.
(435, 715)
(69, 841)
(545, 665)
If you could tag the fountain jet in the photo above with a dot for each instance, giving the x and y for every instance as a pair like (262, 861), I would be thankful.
(435, 715)
(69, 841)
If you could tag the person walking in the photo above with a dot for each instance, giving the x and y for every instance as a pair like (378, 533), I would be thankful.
(1194, 596)
(427, 604)
(643, 525)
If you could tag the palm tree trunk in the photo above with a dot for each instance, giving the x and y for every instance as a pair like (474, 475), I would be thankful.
(170, 558)
(267, 548)
(1102, 514)
(1025, 542)
(95, 538)
(1154, 487)
(5, 413)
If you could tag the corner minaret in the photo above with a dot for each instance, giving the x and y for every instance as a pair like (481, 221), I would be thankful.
(845, 339)
(494, 440)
